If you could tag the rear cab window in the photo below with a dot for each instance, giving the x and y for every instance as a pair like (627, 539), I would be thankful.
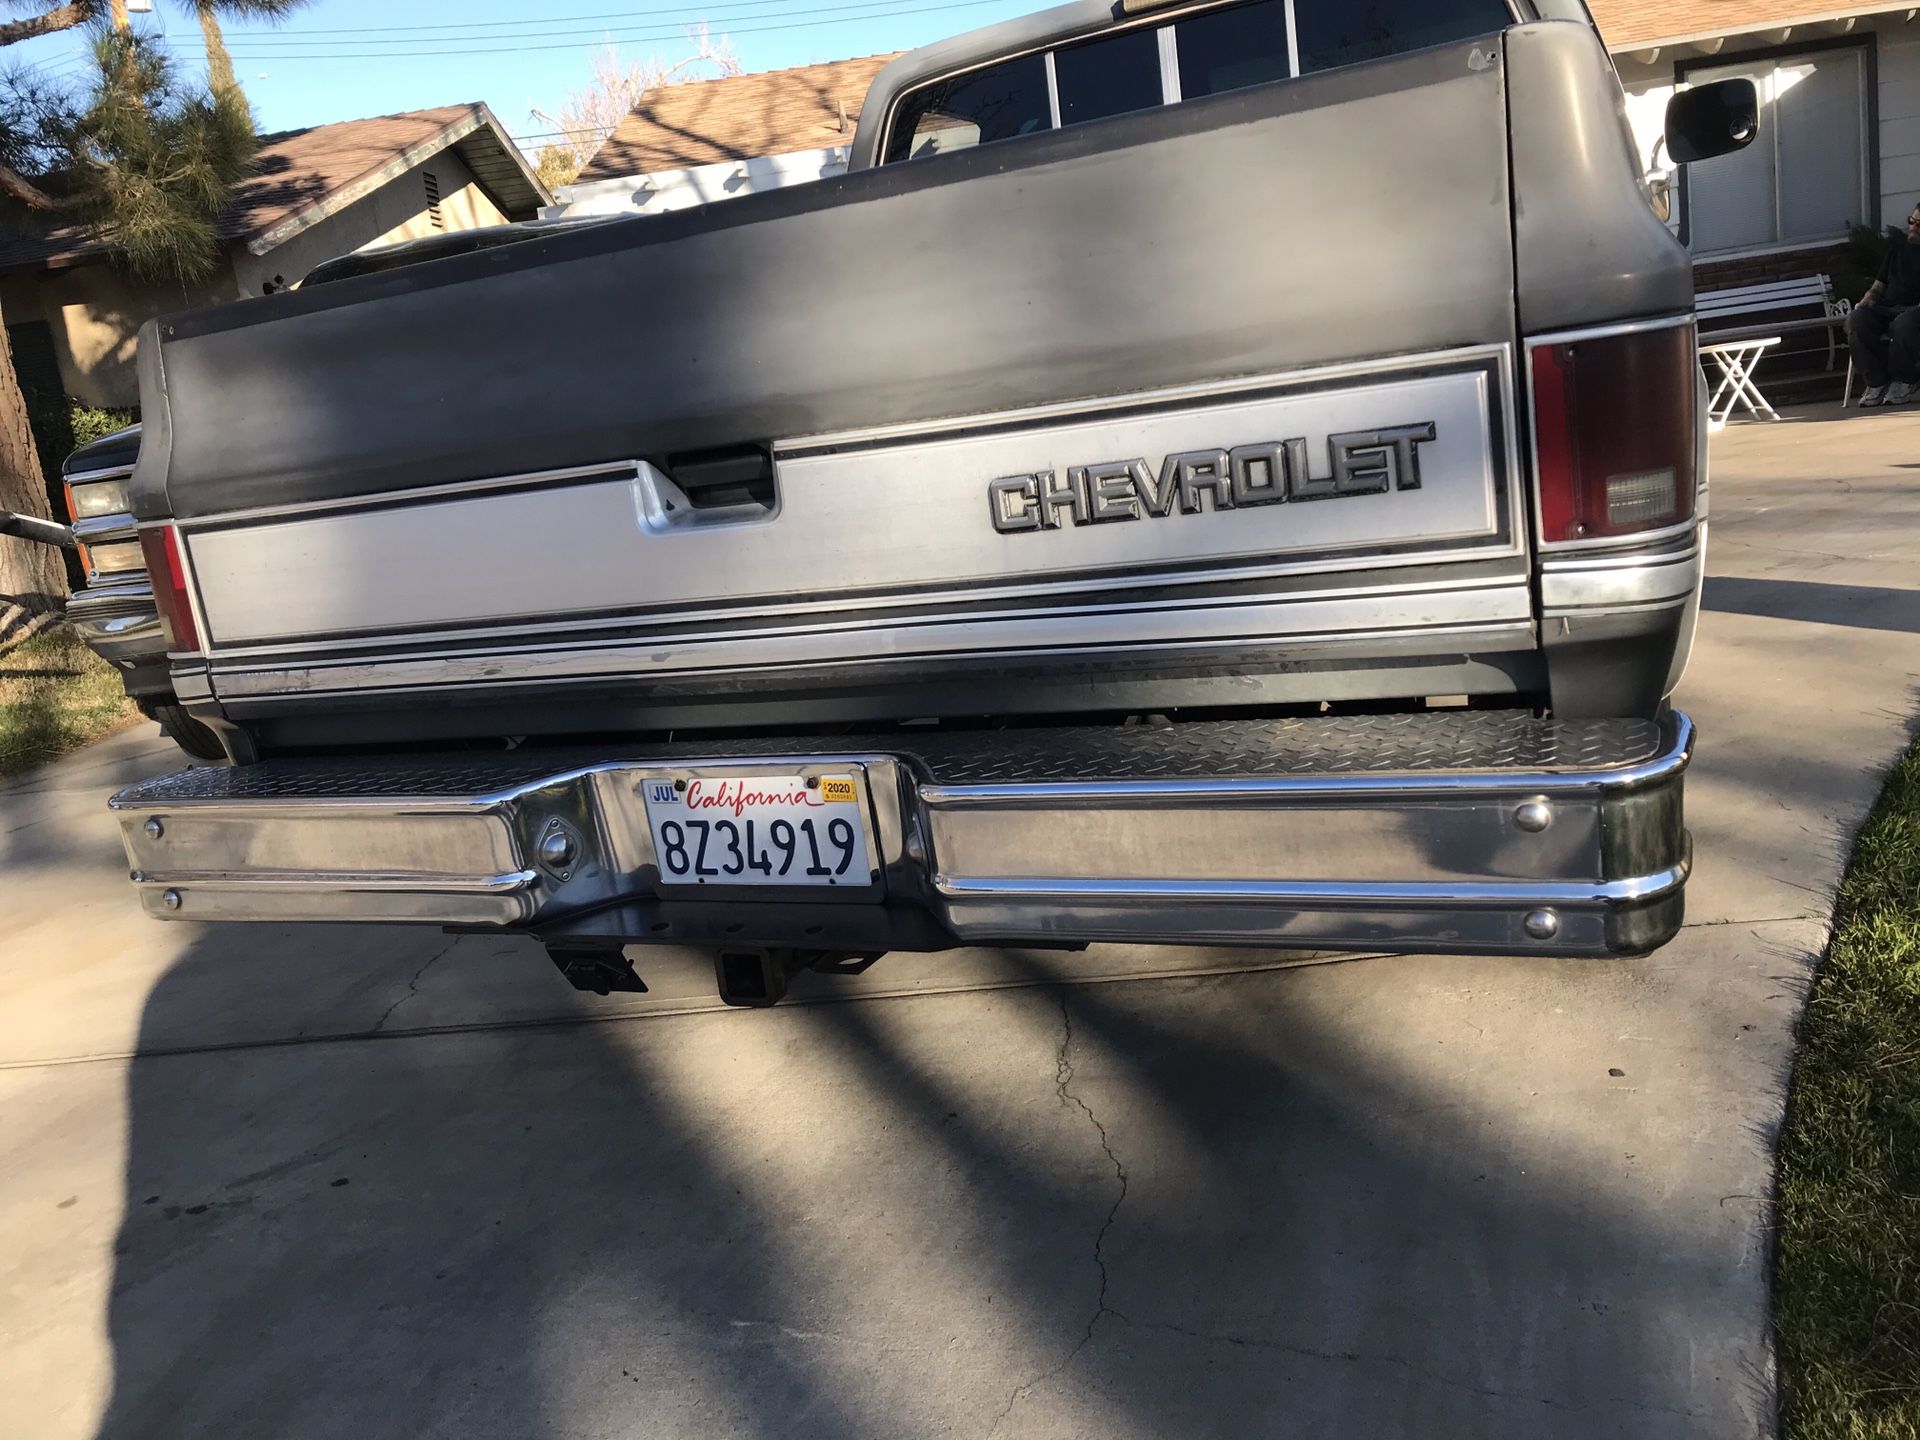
(1180, 55)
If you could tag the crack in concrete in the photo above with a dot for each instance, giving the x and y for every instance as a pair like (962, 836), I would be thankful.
(1358, 1357)
(1062, 1080)
(413, 985)
(1763, 920)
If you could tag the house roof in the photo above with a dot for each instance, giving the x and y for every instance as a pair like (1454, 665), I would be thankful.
(1642, 24)
(300, 177)
(738, 117)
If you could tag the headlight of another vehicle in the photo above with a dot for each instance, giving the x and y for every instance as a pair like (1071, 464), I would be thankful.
(92, 498)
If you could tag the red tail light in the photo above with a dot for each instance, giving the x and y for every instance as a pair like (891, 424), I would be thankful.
(161, 545)
(1614, 432)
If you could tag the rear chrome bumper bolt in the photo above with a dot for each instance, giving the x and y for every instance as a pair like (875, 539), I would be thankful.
(1534, 816)
(155, 828)
(172, 899)
(1542, 924)
(556, 849)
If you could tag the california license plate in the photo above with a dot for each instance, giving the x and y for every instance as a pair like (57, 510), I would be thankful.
(781, 830)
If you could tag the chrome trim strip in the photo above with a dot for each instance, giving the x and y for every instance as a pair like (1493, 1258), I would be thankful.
(512, 883)
(94, 477)
(1504, 895)
(831, 623)
(98, 528)
(127, 592)
(1604, 545)
(409, 643)
(1681, 543)
(306, 682)
(1619, 582)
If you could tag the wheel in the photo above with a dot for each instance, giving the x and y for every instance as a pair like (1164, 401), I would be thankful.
(189, 734)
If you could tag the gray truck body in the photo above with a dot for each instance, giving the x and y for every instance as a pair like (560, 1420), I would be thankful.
(1216, 413)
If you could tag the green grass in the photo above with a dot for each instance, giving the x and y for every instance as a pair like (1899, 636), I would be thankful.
(55, 696)
(1849, 1259)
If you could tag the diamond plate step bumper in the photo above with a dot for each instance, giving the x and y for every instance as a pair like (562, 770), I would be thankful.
(1462, 831)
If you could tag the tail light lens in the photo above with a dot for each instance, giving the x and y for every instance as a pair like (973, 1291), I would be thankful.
(161, 544)
(1614, 427)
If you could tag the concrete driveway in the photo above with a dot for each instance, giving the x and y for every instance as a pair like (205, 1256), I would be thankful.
(368, 1181)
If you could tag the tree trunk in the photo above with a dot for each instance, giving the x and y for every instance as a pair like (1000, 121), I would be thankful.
(220, 78)
(32, 576)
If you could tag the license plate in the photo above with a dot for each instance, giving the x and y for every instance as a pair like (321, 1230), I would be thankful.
(783, 830)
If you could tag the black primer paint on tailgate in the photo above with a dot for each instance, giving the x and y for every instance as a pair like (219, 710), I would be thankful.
(1274, 228)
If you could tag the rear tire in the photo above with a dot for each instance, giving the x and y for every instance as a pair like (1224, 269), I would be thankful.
(189, 734)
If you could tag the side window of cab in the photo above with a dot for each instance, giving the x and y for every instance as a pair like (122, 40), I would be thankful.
(995, 103)
(1347, 32)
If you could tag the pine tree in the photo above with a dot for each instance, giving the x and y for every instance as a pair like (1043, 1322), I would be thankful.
(137, 157)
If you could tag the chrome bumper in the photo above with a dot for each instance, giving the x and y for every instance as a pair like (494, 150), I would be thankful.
(119, 622)
(1451, 831)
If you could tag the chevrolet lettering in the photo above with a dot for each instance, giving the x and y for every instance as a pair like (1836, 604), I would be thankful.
(694, 634)
(1360, 462)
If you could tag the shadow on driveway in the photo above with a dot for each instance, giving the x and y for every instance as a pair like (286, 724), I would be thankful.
(1867, 607)
(1174, 1208)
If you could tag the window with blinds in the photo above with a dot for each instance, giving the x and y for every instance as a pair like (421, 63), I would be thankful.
(1805, 179)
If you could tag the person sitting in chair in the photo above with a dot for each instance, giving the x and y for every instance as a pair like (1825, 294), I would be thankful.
(1883, 330)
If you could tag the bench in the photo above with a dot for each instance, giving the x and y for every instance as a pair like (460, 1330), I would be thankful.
(1807, 303)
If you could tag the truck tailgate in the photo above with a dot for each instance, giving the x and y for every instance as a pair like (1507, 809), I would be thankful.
(980, 391)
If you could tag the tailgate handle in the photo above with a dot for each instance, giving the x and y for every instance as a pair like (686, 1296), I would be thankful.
(728, 486)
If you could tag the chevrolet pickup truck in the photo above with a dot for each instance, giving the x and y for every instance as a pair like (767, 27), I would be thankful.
(1209, 473)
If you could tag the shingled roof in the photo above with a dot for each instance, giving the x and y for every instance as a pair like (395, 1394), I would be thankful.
(1638, 24)
(302, 176)
(739, 117)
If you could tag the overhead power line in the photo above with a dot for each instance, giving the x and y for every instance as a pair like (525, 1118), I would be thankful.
(514, 49)
(691, 15)
(785, 14)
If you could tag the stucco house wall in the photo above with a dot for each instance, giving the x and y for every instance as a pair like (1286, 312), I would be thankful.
(94, 313)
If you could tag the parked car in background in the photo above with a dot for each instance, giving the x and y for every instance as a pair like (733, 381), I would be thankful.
(114, 610)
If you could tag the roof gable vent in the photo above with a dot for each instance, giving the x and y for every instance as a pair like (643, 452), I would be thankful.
(434, 213)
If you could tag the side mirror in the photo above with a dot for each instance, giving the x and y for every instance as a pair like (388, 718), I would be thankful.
(1717, 118)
